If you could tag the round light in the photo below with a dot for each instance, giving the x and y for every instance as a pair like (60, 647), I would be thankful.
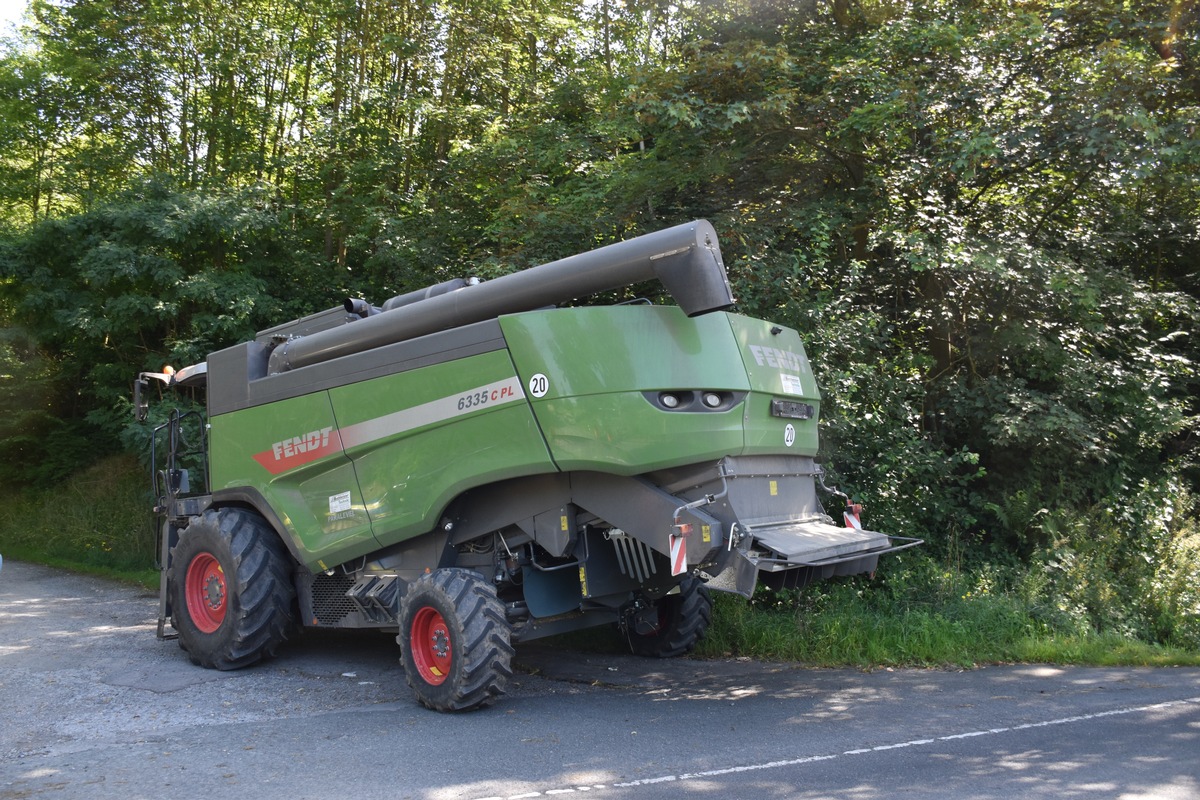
(712, 399)
(669, 400)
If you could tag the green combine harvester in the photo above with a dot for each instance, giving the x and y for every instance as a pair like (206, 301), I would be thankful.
(469, 466)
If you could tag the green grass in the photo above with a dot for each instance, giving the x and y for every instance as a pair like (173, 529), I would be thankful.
(847, 626)
(917, 613)
(99, 522)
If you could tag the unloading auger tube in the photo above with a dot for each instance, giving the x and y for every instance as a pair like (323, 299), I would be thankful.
(686, 259)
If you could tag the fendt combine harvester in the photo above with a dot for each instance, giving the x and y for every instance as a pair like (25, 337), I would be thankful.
(471, 467)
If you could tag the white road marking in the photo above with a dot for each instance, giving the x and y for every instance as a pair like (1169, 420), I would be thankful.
(792, 762)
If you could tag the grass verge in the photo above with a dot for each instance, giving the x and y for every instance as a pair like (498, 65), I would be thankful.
(862, 623)
(97, 523)
(917, 613)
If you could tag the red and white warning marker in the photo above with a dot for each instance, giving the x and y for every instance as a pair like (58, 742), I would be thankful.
(678, 554)
(852, 515)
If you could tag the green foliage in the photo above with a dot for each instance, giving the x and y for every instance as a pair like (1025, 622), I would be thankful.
(96, 520)
(920, 613)
(26, 406)
(154, 277)
(1128, 568)
(982, 217)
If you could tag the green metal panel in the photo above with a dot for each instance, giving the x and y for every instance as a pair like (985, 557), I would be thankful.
(623, 434)
(777, 367)
(291, 453)
(596, 363)
(419, 438)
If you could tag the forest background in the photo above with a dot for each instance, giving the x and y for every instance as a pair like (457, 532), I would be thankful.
(983, 216)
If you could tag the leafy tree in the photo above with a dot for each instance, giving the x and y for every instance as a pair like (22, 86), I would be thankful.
(156, 278)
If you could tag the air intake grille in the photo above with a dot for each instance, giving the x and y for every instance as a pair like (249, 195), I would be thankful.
(330, 605)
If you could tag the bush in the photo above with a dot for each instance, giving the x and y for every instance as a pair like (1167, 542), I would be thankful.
(918, 611)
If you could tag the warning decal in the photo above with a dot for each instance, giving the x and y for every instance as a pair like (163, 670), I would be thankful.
(678, 555)
(339, 503)
(852, 516)
(791, 383)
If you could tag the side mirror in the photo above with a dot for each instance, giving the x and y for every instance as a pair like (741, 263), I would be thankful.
(141, 404)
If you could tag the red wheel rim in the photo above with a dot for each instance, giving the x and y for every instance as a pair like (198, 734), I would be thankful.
(204, 591)
(429, 641)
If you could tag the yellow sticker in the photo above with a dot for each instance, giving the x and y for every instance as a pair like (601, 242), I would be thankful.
(706, 533)
(563, 521)
(774, 488)
(583, 580)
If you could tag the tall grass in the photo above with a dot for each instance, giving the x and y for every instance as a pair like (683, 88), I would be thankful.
(99, 521)
(920, 613)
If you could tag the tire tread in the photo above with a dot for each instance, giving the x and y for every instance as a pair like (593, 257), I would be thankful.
(262, 595)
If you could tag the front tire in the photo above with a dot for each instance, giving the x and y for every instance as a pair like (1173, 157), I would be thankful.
(232, 597)
(454, 640)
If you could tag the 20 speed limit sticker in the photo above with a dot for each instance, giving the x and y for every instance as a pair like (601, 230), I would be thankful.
(789, 435)
(539, 384)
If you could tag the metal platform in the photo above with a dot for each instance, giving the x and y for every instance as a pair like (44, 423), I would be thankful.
(817, 543)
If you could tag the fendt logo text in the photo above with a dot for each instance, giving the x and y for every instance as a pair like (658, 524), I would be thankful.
(299, 450)
(315, 440)
(780, 359)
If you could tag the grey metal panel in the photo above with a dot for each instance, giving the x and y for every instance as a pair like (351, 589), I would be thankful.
(193, 375)
(498, 505)
(260, 388)
(632, 504)
(230, 373)
(772, 490)
(306, 326)
(763, 490)
(769, 465)
(816, 542)
(642, 510)
(740, 576)
(555, 529)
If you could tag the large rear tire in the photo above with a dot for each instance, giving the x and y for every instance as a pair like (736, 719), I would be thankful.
(683, 619)
(232, 598)
(455, 641)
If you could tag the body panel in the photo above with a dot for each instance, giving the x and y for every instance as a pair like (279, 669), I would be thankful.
(292, 453)
(420, 438)
(598, 362)
(776, 366)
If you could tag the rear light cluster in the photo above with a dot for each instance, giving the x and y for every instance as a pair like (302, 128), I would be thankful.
(694, 400)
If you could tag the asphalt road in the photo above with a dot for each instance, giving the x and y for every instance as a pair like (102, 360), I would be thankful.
(92, 705)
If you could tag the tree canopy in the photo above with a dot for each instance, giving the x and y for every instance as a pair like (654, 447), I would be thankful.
(983, 215)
